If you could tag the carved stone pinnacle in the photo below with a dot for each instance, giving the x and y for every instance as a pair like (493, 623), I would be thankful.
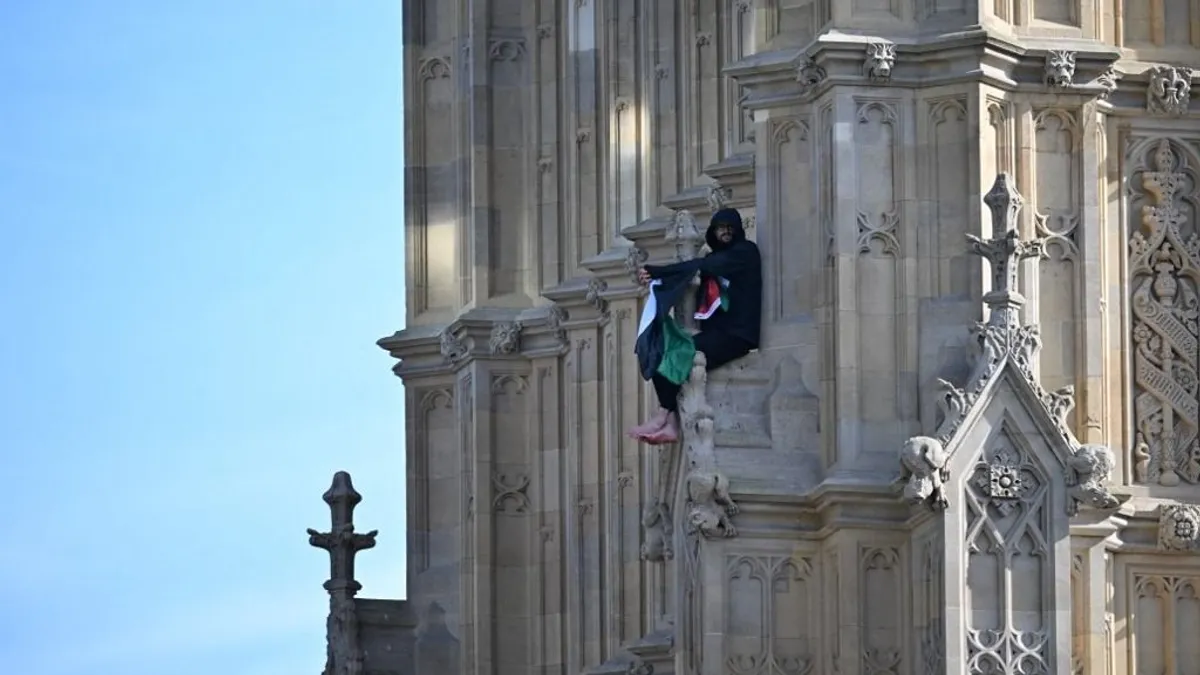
(1004, 251)
(341, 541)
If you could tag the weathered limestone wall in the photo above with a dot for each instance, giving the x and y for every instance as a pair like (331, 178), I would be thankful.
(554, 146)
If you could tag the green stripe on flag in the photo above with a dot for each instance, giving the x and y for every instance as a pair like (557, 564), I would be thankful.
(679, 351)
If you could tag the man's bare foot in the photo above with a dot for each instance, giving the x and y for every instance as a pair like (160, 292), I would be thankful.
(669, 433)
(651, 426)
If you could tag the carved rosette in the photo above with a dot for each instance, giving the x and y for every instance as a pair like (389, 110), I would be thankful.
(1164, 263)
(1179, 527)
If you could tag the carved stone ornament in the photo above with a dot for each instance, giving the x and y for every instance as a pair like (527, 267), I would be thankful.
(1170, 90)
(344, 654)
(1003, 341)
(634, 259)
(1002, 337)
(453, 350)
(505, 338)
(596, 286)
(881, 58)
(657, 532)
(809, 75)
(1004, 478)
(686, 235)
(1107, 81)
(710, 507)
(923, 466)
(1163, 265)
(1179, 527)
(718, 198)
(1092, 466)
(556, 317)
(1059, 68)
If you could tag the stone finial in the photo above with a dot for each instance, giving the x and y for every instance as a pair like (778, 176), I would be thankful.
(1004, 250)
(341, 541)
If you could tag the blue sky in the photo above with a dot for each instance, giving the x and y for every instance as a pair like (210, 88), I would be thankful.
(201, 207)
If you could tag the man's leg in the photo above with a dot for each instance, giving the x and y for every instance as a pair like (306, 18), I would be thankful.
(718, 349)
(668, 394)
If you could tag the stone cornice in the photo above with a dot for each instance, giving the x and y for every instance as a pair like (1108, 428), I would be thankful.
(778, 511)
(478, 334)
(790, 77)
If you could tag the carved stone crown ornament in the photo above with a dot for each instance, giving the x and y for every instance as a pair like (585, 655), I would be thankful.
(1170, 90)
(1000, 342)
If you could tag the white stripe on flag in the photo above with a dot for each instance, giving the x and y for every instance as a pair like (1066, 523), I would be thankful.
(650, 310)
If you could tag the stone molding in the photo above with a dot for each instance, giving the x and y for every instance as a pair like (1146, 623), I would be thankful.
(788, 77)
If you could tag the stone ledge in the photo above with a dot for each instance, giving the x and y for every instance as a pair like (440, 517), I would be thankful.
(775, 79)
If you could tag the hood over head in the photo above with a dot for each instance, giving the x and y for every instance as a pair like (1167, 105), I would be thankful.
(729, 217)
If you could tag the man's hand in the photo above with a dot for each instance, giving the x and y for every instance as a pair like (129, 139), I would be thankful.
(643, 276)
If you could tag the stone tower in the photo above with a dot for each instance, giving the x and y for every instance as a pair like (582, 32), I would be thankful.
(969, 442)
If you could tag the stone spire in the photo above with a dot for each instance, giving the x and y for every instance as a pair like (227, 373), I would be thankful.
(344, 655)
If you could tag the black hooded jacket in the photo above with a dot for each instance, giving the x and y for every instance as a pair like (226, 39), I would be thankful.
(740, 263)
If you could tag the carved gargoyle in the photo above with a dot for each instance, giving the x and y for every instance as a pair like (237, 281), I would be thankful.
(1059, 68)
(881, 58)
(658, 529)
(709, 504)
(1091, 468)
(923, 461)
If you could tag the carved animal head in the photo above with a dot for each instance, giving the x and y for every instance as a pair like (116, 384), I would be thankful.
(505, 338)
(881, 58)
(919, 488)
(450, 346)
(1060, 68)
(1094, 463)
(705, 520)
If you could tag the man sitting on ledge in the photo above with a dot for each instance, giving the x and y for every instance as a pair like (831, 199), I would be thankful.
(729, 308)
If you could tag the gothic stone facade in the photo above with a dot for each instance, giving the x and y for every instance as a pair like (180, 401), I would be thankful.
(970, 442)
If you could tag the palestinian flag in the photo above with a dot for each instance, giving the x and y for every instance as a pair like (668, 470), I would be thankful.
(664, 347)
(713, 296)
